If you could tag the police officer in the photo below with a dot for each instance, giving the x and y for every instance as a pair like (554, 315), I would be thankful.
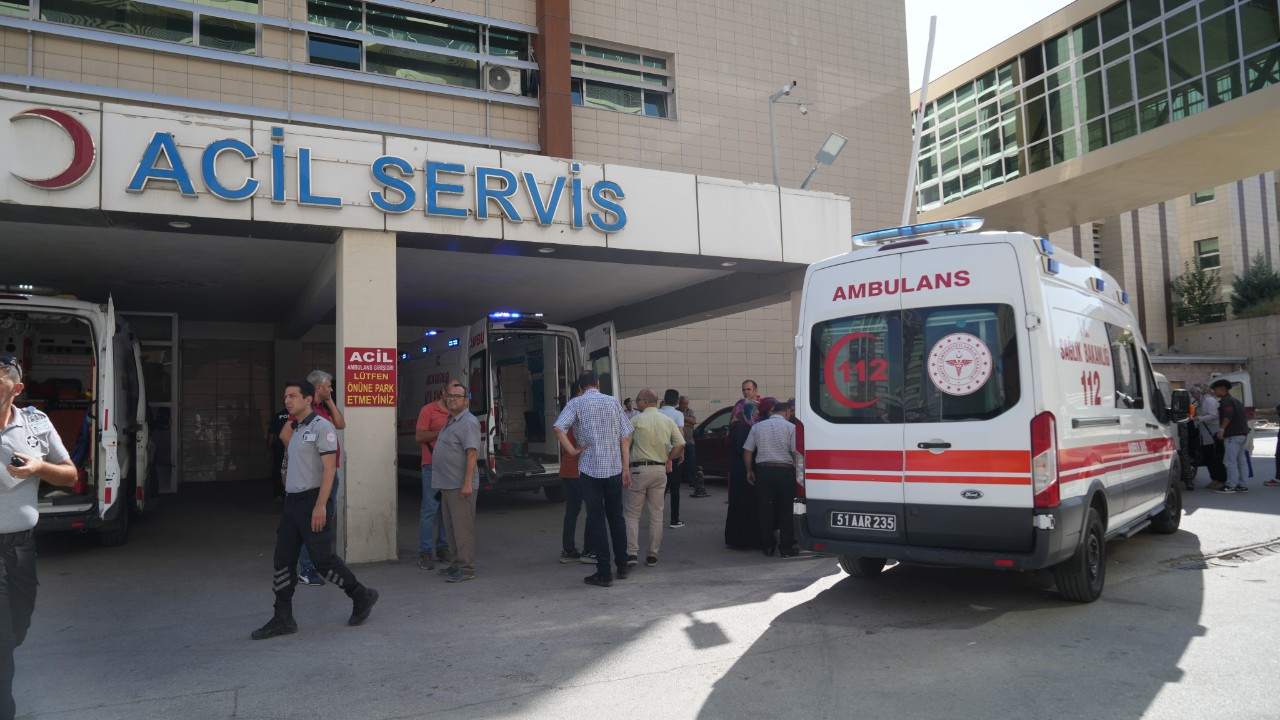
(30, 451)
(306, 519)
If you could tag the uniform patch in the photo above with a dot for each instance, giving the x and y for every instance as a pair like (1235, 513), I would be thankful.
(42, 426)
(331, 437)
(32, 442)
(960, 364)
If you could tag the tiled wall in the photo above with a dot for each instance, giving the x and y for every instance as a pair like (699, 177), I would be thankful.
(708, 360)
(729, 56)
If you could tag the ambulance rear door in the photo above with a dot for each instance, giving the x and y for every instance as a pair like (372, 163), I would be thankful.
(480, 381)
(601, 350)
(852, 394)
(967, 398)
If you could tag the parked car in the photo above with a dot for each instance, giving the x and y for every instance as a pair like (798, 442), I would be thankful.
(712, 438)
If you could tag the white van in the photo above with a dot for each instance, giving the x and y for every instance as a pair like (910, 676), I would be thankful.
(517, 369)
(979, 400)
(83, 368)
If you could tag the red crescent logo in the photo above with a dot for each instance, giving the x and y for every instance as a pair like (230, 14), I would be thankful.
(84, 151)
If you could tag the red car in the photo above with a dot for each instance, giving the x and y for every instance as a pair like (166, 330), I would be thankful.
(712, 438)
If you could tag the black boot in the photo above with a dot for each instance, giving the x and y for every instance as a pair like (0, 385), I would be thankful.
(362, 602)
(282, 623)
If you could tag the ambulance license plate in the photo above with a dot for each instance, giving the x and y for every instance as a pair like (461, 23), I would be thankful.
(864, 521)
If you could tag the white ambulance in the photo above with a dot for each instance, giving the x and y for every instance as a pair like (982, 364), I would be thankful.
(82, 367)
(517, 369)
(979, 400)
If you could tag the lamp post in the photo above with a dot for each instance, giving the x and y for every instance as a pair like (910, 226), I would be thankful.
(782, 96)
(827, 154)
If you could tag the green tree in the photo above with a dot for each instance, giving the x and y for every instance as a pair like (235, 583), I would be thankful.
(1196, 295)
(1254, 286)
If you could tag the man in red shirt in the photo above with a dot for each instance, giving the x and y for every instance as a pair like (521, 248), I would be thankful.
(431, 420)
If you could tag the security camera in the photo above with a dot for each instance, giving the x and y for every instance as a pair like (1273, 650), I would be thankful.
(804, 110)
(786, 89)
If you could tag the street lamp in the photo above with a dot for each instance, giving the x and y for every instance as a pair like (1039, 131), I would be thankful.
(782, 96)
(827, 154)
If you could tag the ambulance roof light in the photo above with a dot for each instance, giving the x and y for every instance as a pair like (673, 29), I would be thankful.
(1097, 284)
(509, 315)
(431, 333)
(453, 342)
(1122, 296)
(876, 237)
(1051, 266)
(1046, 247)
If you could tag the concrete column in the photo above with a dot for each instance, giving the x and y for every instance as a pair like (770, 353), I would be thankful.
(366, 317)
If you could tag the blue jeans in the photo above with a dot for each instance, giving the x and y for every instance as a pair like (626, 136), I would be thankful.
(1236, 462)
(429, 521)
(304, 558)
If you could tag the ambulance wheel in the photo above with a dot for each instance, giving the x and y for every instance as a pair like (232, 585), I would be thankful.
(1080, 579)
(1167, 522)
(1188, 472)
(861, 567)
(554, 493)
(119, 534)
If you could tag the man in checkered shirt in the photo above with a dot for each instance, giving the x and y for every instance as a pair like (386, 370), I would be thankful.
(603, 436)
(773, 442)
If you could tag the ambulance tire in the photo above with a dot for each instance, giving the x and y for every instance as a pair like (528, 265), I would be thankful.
(1188, 471)
(1170, 518)
(1080, 579)
(119, 534)
(862, 567)
(554, 493)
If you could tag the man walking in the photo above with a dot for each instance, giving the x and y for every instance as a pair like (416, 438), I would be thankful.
(324, 406)
(774, 443)
(431, 536)
(456, 475)
(571, 481)
(655, 442)
(669, 400)
(30, 451)
(690, 464)
(1233, 431)
(307, 519)
(603, 434)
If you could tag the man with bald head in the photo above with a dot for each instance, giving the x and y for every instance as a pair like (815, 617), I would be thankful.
(655, 442)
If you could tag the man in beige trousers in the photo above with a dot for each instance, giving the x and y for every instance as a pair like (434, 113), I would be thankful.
(655, 442)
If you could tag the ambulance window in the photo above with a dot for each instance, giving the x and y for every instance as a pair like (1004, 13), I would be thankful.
(478, 384)
(1124, 365)
(856, 372)
(961, 363)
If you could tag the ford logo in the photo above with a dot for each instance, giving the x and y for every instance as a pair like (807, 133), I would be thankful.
(971, 494)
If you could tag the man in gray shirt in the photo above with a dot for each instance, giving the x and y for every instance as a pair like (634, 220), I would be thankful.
(454, 474)
(30, 451)
(774, 443)
(307, 518)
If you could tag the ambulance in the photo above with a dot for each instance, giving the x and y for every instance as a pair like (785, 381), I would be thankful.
(978, 400)
(82, 367)
(517, 369)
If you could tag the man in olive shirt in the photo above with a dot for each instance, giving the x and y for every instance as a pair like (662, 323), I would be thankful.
(655, 442)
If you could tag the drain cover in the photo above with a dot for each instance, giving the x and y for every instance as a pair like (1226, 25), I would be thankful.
(1226, 558)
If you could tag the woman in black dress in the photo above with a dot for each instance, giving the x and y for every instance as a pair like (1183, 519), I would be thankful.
(740, 525)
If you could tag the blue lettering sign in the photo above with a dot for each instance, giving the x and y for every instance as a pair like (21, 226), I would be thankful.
(407, 194)
(161, 147)
(277, 165)
(608, 205)
(209, 169)
(435, 187)
(502, 195)
(305, 196)
(545, 212)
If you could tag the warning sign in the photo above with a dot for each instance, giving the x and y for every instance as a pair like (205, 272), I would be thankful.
(370, 377)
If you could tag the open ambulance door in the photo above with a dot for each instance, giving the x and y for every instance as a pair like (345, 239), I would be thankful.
(602, 356)
(479, 381)
(147, 489)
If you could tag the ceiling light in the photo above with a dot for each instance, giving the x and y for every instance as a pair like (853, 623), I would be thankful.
(728, 263)
(179, 224)
(546, 250)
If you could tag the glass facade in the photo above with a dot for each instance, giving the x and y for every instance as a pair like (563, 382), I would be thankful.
(626, 81)
(1134, 67)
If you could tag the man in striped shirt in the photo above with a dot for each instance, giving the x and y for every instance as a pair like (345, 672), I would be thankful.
(774, 475)
(602, 443)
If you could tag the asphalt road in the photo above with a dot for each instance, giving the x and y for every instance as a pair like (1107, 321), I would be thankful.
(159, 628)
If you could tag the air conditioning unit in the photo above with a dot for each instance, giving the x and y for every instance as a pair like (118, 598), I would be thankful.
(503, 79)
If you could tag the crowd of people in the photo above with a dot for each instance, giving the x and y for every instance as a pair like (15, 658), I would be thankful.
(1223, 432)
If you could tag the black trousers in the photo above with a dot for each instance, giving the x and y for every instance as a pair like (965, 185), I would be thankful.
(775, 492)
(293, 533)
(17, 602)
(603, 497)
(673, 489)
(1212, 455)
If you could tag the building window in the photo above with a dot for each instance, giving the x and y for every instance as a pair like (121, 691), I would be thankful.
(1207, 253)
(636, 82)
(401, 42)
(1203, 196)
(123, 16)
(16, 8)
(231, 35)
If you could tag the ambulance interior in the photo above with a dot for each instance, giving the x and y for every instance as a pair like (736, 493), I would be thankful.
(532, 372)
(60, 377)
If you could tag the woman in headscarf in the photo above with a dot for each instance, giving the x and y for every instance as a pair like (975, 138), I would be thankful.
(741, 525)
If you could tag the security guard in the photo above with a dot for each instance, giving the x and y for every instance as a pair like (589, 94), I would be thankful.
(306, 518)
(30, 451)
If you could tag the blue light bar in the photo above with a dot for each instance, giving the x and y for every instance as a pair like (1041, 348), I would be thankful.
(1122, 296)
(508, 315)
(404, 356)
(424, 349)
(1097, 284)
(431, 333)
(1051, 266)
(1046, 247)
(453, 342)
(877, 237)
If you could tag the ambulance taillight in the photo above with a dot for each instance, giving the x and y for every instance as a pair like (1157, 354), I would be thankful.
(1044, 460)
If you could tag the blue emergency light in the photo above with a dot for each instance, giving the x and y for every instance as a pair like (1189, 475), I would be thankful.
(1046, 247)
(878, 237)
(431, 333)
(509, 315)
(453, 342)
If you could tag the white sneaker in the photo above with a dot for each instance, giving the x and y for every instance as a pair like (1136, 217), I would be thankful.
(677, 524)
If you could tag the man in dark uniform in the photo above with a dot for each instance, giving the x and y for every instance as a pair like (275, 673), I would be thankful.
(30, 451)
(306, 519)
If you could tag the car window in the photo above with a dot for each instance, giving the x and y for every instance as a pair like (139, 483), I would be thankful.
(938, 364)
(1124, 366)
(718, 422)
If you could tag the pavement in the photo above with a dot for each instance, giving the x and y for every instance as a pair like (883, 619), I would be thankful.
(160, 628)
